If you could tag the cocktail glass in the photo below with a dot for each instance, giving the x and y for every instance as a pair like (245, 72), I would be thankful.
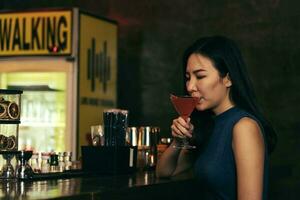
(184, 105)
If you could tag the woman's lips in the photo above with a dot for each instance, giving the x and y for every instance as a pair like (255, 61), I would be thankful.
(201, 99)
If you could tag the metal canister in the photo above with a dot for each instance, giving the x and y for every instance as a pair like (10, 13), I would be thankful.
(147, 146)
(132, 136)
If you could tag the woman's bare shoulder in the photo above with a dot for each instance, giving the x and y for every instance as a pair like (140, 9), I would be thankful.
(247, 135)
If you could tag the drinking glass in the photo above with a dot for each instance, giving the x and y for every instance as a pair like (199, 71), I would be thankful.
(115, 123)
(184, 105)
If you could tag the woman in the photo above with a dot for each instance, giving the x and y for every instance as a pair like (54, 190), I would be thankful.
(232, 161)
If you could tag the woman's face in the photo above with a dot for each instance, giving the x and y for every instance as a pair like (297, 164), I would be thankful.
(204, 82)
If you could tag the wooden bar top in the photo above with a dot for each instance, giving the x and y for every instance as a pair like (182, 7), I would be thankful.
(138, 185)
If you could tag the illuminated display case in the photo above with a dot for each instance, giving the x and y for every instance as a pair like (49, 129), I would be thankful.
(10, 111)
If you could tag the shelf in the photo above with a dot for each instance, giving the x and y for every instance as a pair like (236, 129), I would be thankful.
(9, 121)
(33, 88)
(9, 152)
(42, 124)
(12, 91)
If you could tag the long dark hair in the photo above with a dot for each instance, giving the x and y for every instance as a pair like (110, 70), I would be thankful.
(227, 59)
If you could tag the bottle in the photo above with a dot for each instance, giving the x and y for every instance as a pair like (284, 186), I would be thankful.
(61, 161)
(34, 162)
(45, 165)
(54, 163)
(68, 160)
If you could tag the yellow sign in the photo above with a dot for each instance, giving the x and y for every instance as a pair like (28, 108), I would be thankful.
(35, 33)
(97, 72)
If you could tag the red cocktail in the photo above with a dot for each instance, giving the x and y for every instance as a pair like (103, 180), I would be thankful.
(184, 106)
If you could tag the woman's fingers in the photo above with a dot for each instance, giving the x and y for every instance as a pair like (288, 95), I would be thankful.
(184, 123)
(176, 132)
(180, 128)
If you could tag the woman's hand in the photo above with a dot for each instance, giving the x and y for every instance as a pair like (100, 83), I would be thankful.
(181, 128)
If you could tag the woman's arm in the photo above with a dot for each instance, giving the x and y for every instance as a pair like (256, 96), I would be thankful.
(249, 151)
(174, 161)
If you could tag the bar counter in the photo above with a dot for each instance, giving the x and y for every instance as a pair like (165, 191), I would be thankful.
(137, 185)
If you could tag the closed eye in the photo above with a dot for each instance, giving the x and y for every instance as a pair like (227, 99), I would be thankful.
(200, 77)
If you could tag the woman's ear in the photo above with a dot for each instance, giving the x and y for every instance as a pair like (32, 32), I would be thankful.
(227, 80)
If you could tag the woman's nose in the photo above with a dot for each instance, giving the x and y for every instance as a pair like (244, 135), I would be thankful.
(190, 86)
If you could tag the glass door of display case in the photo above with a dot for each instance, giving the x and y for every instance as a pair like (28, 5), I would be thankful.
(43, 109)
(46, 122)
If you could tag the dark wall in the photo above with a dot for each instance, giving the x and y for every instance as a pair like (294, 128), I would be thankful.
(153, 35)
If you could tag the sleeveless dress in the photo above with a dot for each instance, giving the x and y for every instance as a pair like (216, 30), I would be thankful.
(215, 167)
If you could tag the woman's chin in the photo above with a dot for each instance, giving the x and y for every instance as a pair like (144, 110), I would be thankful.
(201, 107)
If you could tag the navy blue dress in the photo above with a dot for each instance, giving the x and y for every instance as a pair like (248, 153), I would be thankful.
(215, 165)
